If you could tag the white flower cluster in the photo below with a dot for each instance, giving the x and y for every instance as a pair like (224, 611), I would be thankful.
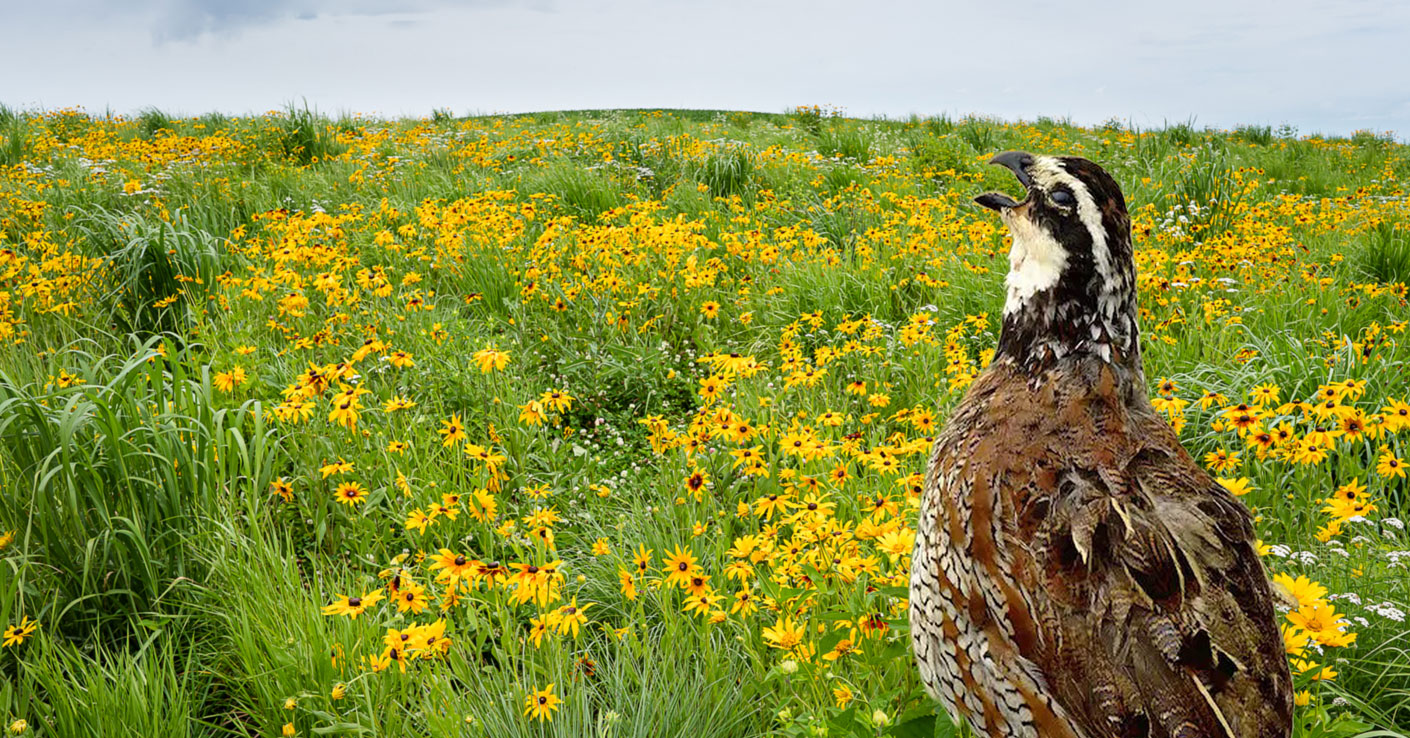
(1388, 611)
(1306, 558)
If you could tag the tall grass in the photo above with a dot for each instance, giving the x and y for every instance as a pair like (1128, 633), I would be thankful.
(586, 193)
(1385, 255)
(153, 693)
(14, 136)
(728, 172)
(151, 121)
(158, 271)
(112, 482)
(306, 137)
(846, 142)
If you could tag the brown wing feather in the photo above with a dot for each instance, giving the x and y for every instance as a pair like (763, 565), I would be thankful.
(1125, 577)
(1158, 561)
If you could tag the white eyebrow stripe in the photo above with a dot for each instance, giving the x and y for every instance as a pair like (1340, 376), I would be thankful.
(1048, 173)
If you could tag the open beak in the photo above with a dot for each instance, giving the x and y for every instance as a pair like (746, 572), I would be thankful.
(1017, 162)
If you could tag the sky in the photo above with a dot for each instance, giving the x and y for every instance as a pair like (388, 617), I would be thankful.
(1329, 67)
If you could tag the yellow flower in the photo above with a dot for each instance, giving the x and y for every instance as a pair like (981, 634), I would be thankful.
(337, 467)
(289, 730)
(842, 695)
(397, 403)
(531, 413)
(541, 704)
(1320, 619)
(1237, 487)
(1388, 465)
(571, 617)
(339, 690)
(15, 634)
(626, 583)
(491, 359)
(785, 634)
(453, 564)
(453, 431)
(351, 493)
(228, 381)
(353, 606)
(557, 400)
(1307, 592)
(679, 566)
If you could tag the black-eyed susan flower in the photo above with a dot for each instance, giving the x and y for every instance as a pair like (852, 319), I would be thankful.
(453, 564)
(16, 634)
(491, 359)
(1388, 465)
(281, 487)
(411, 597)
(353, 606)
(338, 467)
(571, 617)
(350, 493)
(541, 704)
(678, 567)
(452, 431)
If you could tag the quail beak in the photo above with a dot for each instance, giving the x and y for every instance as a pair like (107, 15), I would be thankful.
(1015, 161)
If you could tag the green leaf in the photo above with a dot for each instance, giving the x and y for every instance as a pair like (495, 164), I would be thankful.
(921, 727)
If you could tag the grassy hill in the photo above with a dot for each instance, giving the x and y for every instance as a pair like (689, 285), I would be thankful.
(408, 427)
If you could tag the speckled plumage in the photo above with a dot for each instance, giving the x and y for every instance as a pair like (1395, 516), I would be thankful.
(1075, 573)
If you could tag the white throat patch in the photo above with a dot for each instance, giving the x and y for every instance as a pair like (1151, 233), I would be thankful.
(1036, 261)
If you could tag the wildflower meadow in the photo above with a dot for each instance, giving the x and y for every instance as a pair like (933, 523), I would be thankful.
(612, 423)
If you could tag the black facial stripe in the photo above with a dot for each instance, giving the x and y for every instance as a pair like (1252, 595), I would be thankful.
(1091, 309)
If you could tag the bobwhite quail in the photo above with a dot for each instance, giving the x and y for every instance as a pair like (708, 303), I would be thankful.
(1075, 573)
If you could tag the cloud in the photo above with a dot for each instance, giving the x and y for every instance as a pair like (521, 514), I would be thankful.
(1318, 67)
(189, 20)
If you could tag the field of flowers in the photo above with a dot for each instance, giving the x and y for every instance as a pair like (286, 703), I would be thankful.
(612, 423)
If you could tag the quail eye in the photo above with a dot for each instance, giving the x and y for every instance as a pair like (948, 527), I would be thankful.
(1063, 198)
